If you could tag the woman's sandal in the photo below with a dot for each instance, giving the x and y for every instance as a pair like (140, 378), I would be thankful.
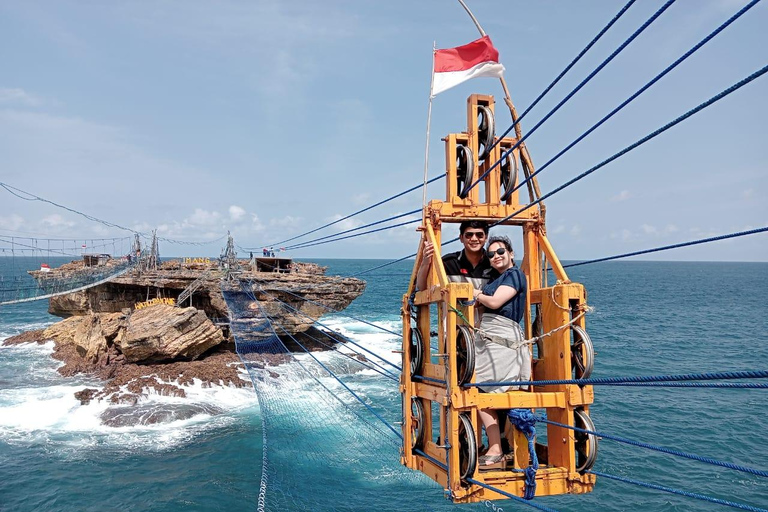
(490, 460)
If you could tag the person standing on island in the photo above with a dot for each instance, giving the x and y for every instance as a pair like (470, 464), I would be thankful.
(469, 265)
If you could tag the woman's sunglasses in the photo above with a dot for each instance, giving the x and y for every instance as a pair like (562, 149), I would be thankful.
(499, 251)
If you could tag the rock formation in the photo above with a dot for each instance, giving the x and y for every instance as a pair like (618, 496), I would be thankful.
(166, 333)
(161, 346)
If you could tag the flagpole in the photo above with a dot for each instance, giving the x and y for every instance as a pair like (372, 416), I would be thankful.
(533, 185)
(426, 148)
(477, 23)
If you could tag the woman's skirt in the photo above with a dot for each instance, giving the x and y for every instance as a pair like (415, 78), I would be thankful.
(501, 353)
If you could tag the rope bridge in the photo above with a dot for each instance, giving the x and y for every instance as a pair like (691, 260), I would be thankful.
(26, 266)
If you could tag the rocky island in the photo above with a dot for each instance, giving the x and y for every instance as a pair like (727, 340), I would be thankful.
(154, 330)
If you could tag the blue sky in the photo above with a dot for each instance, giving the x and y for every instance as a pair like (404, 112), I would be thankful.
(270, 118)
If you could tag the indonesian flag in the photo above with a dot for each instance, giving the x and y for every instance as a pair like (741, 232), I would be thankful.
(456, 65)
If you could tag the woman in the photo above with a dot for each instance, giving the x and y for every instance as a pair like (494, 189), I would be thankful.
(502, 354)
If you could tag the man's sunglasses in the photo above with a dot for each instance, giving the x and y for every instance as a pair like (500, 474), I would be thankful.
(499, 251)
(474, 234)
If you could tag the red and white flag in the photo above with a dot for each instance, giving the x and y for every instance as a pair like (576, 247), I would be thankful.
(453, 66)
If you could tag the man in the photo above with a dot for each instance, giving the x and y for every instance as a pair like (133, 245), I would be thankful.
(469, 265)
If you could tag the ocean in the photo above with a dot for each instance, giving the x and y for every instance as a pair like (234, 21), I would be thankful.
(649, 318)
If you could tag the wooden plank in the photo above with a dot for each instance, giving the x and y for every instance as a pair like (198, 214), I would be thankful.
(510, 400)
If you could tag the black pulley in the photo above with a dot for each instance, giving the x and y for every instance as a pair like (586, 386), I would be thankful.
(416, 351)
(486, 129)
(582, 353)
(467, 447)
(585, 444)
(465, 354)
(417, 423)
(465, 170)
(508, 175)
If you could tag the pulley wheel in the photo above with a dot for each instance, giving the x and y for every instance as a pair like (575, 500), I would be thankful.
(582, 353)
(416, 351)
(536, 331)
(585, 444)
(465, 354)
(486, 129)
(465, 170)
(509, 172)
(417, 423)
(467, 447)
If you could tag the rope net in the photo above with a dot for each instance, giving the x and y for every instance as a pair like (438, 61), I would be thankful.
(318, 431)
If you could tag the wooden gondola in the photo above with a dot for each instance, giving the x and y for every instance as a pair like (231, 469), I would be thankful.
(441, 429)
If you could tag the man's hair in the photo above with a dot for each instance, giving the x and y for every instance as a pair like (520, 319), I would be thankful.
(500, 239)
(477, 224)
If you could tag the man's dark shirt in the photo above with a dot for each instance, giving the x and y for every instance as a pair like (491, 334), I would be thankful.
(459, 270)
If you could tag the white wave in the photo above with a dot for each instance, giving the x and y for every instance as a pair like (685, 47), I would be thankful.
(52, 415)
(380, 343)
(31, 347)
(6, 331)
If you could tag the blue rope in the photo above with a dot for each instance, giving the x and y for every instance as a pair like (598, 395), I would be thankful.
(716, 385)
(661, 449)
(429, 379)
(335, 311)
(642, 141)
(578, 87)
(383, 265)
(250, 295)
(562, 74)
(674, 246)
(361, 234)
(306, 244)
(484, 485)
(746, 374)
(378, 369)
(641, 90)
(359, 211)
(329, 328)
(373, 411)
(511, 496)
(677, 491)
(525, 421)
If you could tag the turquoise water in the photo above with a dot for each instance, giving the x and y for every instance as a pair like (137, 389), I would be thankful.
(649, 318)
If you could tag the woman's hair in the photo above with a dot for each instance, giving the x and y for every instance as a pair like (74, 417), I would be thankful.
(496, 239)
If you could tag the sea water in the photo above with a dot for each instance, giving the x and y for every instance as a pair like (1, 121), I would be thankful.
(649, 318)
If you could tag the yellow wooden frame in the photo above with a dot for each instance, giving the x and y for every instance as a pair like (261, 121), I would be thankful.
(557, 304)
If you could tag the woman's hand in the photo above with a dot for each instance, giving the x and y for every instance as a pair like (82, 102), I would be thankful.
(476, 293)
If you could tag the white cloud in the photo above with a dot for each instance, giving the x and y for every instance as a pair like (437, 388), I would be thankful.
(288, 221)
(621, 196)
(203, 218)
(12, 222)
(345, 224)
(575, 230)
(18, 97)
(748, 193)
(361, 198)
(57, 221)
(236, 212)
(671, 228)
(648, 229)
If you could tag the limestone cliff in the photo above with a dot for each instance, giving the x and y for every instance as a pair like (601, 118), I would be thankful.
(106, 332)
(305, 281)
